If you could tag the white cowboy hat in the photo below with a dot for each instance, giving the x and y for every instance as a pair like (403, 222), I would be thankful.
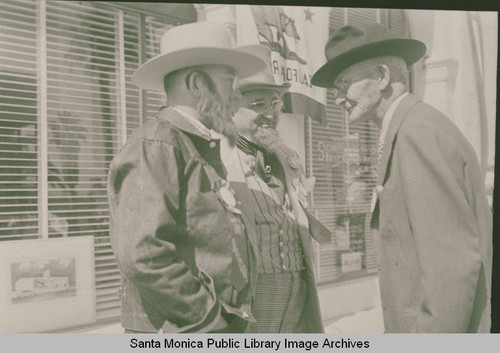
(198, 43)
(264, 79)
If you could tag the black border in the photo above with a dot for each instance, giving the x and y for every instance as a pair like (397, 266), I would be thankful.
(476, 5)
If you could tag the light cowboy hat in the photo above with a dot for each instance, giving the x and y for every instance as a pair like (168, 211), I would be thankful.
(264, 79)
(354, 43)
(198, 43)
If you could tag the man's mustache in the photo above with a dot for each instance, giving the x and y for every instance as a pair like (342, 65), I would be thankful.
(264, 121)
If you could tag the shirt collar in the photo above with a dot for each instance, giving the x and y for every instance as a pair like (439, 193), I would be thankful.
(193, 117)
(388, 116)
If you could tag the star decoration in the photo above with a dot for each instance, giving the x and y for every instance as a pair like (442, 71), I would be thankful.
(309, 14)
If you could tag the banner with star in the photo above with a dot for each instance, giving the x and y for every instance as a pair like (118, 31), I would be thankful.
(297, 37)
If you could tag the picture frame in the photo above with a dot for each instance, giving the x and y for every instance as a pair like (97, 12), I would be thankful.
(46, 284)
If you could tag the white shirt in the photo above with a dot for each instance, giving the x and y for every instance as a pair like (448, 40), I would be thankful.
(388, 117)
(230, 158)
(389, 114)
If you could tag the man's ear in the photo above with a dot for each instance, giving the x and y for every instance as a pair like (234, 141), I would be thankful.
(385, 76)
(195, 84)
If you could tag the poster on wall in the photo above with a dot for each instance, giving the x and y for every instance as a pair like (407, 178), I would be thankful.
(46, 284)
(39, 281)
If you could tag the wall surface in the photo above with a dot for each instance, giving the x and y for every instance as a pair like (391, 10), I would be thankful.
(458, 74)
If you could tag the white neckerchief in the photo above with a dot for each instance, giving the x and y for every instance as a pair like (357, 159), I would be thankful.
(230, 158)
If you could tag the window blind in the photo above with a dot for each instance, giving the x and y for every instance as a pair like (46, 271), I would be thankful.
(154, 31)
(84, 131)
(18, 121)
(132, 58)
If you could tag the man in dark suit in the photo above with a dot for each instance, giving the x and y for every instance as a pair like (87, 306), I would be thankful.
(273, 197)
(431, 219)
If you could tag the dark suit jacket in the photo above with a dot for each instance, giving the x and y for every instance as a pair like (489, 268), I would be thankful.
(434, 239)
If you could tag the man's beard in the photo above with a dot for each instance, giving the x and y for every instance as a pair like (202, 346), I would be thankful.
(269, 139)
(215, 116)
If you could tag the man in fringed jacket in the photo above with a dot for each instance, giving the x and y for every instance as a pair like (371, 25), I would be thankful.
(177, 231)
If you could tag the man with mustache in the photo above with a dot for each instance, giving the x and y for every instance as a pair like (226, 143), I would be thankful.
(176, 229)
(274, 199)
(431, 217)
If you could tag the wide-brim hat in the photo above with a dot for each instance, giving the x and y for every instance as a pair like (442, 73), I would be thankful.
(263, 79)
(354, 43)
(194, 44)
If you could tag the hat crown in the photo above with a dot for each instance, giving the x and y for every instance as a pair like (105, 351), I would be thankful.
(195, 44)
(354, 43)
(265, 76)
(352, 36)
(197, 34)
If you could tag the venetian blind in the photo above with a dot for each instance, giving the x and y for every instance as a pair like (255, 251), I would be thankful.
(18, 121)
(154, 30)
(84, 130)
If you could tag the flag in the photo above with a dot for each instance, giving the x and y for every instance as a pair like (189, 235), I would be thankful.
(297, 37)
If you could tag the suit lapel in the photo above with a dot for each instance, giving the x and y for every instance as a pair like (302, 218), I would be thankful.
(389, 141)
(312, 226)
(396, 122)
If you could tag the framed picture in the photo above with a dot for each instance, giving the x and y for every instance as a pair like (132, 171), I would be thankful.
(46, 284)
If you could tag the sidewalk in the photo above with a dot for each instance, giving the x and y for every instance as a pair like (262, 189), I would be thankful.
(369, 321)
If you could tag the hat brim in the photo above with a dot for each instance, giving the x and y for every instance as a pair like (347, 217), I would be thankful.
(410, 50)
(150, 75)
(250, 86)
